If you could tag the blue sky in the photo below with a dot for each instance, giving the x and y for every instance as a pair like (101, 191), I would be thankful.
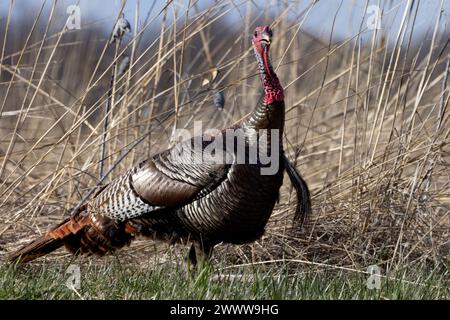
(349, 13)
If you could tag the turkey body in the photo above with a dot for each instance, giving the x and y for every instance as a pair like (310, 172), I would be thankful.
(174, 198)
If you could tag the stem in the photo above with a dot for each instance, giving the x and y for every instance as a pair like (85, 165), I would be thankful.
(107, 110)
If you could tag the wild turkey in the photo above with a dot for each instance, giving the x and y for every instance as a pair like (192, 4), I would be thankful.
(176, 197)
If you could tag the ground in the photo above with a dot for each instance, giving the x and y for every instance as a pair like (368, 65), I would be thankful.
(166, 277)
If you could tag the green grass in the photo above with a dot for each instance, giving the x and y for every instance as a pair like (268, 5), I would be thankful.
(167, 281)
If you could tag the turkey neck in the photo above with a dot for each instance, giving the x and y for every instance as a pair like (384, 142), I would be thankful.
(269, 112)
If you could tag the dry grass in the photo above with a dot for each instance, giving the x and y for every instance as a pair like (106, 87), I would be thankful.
(367, 123)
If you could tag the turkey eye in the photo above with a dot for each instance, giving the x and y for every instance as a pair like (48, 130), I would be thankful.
(256, 34)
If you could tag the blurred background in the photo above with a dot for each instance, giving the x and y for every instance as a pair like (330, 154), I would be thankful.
(367, 114)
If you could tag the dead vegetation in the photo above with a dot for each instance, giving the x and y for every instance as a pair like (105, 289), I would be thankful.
(367, 123)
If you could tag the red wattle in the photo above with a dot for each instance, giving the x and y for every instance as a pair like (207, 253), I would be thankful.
(266, 65)
(273, 90)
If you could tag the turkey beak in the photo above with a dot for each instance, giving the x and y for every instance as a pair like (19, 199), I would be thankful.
(265, 38)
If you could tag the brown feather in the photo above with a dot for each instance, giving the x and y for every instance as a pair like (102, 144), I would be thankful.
(50, 241)
(81, 234)
(160, 190)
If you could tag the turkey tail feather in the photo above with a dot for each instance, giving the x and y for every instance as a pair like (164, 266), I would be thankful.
(37, 248)
(52, 240)
(303, 196)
